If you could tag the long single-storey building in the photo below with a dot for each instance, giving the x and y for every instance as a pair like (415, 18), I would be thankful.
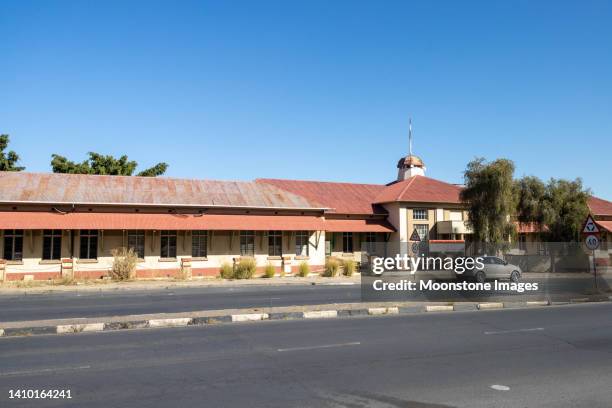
(55, 225)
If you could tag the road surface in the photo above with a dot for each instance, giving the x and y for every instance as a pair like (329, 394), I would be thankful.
(544, 357)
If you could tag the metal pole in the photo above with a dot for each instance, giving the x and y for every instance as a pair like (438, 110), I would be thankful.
(595, 270)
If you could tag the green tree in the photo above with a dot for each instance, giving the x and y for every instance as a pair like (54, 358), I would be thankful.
(564, 208)
(489, 194)
(8, 160)
(530, 192)
(104, 164)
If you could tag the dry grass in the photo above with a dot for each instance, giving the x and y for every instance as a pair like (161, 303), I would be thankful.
(124, 264)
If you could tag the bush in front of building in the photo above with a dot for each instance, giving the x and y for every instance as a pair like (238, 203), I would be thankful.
(124, 264)
(226, 271)
(304, 269)
(331, 267)
(245, 268)
(348, 267)
(270, 271)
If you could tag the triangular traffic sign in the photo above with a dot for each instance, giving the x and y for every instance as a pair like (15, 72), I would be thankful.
(590, 227)
(415, 236)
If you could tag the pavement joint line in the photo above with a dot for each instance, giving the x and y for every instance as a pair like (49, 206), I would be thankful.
(43, 370)
(281, 314)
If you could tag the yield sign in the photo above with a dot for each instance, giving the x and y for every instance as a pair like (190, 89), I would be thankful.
(415, 236)
(590, 227)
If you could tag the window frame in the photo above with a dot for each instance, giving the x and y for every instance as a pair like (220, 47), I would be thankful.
(275, 243)
(424, 237)
(137, 234)
(169, 236)
(247, 241)
(347, 243)
(302, 241)
(199, 250)
(91, 246)
(55, 240)
(424, 217)
(14, 235)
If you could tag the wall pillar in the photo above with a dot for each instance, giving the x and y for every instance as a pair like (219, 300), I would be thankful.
(67, 270)
(186, 268)
(2, 269)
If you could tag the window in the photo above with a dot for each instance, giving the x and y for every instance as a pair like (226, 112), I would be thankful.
(369, 240)
(13, 245)
(52, 244)
(199, 244)
(419, 214)
(422, 230)
(136, 241)
(301, 243)
(168, 244)
(347, 242)
(89, 244)
(275, 243)
(522, 240)
(247, 243)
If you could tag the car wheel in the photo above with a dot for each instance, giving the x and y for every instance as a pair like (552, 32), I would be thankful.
(480, 277)
(515, 276)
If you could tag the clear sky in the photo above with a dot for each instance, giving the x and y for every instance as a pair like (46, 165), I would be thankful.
(317, 90)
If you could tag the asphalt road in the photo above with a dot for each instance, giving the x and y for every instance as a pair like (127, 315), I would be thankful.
(62, 305)
(544, 357)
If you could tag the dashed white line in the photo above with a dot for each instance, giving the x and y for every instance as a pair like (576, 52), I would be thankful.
(43, 371)
(499, 387)
(515, 331)
(355, 343)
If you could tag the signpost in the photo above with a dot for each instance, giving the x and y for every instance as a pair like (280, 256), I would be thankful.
(591, 232)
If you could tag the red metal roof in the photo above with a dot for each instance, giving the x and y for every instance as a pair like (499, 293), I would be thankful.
(142, 221)
(606, 225)
(22, 187)
(343, 198)
(349, 225)
(420, 189)
(599, 206)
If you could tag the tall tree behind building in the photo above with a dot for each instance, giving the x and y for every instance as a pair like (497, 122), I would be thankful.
(104, 164)
(8, 160)
(489, 196)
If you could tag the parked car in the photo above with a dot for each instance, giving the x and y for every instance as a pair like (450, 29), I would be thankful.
(495, 268)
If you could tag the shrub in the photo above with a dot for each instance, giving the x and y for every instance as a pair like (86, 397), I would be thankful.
(226, 271)
(124, 264)
(245, 269)
(304, 269)
(331, 267)
(348, 266)
(270, 271)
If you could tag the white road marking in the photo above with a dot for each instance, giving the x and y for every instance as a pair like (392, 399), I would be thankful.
(498, 387)
(515, 331)
(355, 343)
(44, 370)
(275, 298)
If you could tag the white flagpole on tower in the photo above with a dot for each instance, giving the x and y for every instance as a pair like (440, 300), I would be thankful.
(410, 136)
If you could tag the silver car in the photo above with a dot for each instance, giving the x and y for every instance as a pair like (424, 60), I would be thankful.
(495, 268)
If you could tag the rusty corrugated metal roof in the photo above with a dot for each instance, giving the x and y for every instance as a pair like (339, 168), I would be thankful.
(22, 187)
(420, 189)
(342, 198)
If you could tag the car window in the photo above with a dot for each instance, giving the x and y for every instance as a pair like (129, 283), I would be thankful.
(499, 261)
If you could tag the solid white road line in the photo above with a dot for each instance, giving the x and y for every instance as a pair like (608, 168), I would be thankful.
(355, 343)
(515, 331)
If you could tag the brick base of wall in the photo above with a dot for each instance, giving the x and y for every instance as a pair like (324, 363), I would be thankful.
(149, 273)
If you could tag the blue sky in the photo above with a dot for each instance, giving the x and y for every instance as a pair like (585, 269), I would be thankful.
(313, 89)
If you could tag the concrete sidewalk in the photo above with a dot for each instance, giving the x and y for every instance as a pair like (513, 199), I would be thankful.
(12, 288)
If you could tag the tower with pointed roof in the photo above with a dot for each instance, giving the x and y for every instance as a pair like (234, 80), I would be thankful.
(410, 165)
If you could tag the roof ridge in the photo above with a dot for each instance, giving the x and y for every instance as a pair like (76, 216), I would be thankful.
(406, 187)
(264, 179)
